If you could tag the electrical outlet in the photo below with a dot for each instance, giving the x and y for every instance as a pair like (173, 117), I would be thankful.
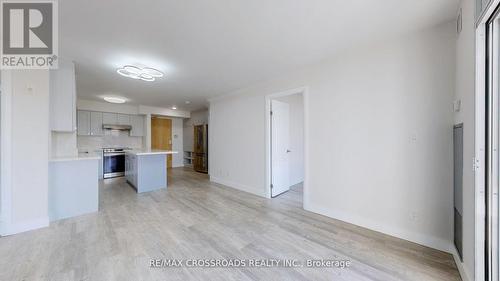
(413, 137)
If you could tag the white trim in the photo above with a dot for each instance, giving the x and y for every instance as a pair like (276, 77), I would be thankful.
(305, 96)
(26, 226)
(479, 140)
(245, 188)
(6, 152)
(461, 268)
(419, 238)
(479, 144)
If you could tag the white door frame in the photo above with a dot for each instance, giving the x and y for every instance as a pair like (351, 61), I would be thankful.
(480, 140)
(305, 96)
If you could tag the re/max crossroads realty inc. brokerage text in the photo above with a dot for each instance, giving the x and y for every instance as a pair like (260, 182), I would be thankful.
(311, 263)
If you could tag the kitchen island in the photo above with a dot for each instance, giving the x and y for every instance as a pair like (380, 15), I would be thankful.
(146, 170)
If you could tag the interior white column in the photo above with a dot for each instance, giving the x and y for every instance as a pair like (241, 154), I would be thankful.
(24, 150)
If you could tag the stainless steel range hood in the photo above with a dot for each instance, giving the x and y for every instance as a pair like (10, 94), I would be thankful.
(117, 127)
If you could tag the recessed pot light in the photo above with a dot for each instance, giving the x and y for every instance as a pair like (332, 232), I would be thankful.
(187, 102)
(115, 99)
(174, 108)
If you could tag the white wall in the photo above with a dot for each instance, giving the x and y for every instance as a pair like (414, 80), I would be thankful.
(63, 144)
(177, 142)
(464, 91)
(296, 103)
(25, 150)
(142, 109)
(379, 129)
(106, 107)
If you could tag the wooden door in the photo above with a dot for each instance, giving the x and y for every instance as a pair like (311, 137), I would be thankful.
(161, 136)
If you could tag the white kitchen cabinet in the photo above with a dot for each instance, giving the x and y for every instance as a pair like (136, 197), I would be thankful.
(137, 122)
(110, 118)
(83, 123)
(123, 119)
(63, 98)
(131, 169)
(146, 171)
(96, 124)
(73, 187)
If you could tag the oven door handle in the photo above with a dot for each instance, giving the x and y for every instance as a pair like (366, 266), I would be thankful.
(113, 154)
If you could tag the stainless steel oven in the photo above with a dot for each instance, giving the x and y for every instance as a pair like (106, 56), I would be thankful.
(113, 162)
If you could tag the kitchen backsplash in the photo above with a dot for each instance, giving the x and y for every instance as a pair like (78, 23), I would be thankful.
(110, 139)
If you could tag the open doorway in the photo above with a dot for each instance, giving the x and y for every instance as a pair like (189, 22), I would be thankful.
(286, 144)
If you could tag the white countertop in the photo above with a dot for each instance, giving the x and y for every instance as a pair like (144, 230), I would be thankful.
(79, 157)
(150, 152)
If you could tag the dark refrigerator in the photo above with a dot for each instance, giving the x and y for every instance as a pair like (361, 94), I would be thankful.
(200, 161)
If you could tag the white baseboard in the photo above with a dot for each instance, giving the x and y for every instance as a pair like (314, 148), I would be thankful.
(238, 186)
(461, 268)
(425, 240)
(24, 226)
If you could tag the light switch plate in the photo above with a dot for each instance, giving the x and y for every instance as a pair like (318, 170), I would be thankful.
(457, 104)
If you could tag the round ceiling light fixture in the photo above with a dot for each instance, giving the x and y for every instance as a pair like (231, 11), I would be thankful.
(147, 74)
(147, 77)
(126, 73)
(153, 72)
(133, 69)
(115, 99)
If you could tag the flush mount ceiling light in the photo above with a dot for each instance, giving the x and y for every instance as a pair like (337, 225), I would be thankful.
(174, 108)
(145, 74)
(115, 99)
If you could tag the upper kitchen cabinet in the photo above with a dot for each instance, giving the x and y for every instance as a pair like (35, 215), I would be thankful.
(115, 119)
(110, 118)
(137, 122)
(96, 124)
(90, 123)
(63, 98)
(83, 123)
(123, 119)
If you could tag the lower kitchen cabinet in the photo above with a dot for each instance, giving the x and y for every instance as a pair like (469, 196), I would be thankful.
(146, 172)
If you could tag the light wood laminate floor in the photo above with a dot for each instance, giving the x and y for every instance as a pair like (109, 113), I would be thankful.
(199, 219)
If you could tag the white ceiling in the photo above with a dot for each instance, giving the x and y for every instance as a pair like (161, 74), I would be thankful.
(208, 48)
